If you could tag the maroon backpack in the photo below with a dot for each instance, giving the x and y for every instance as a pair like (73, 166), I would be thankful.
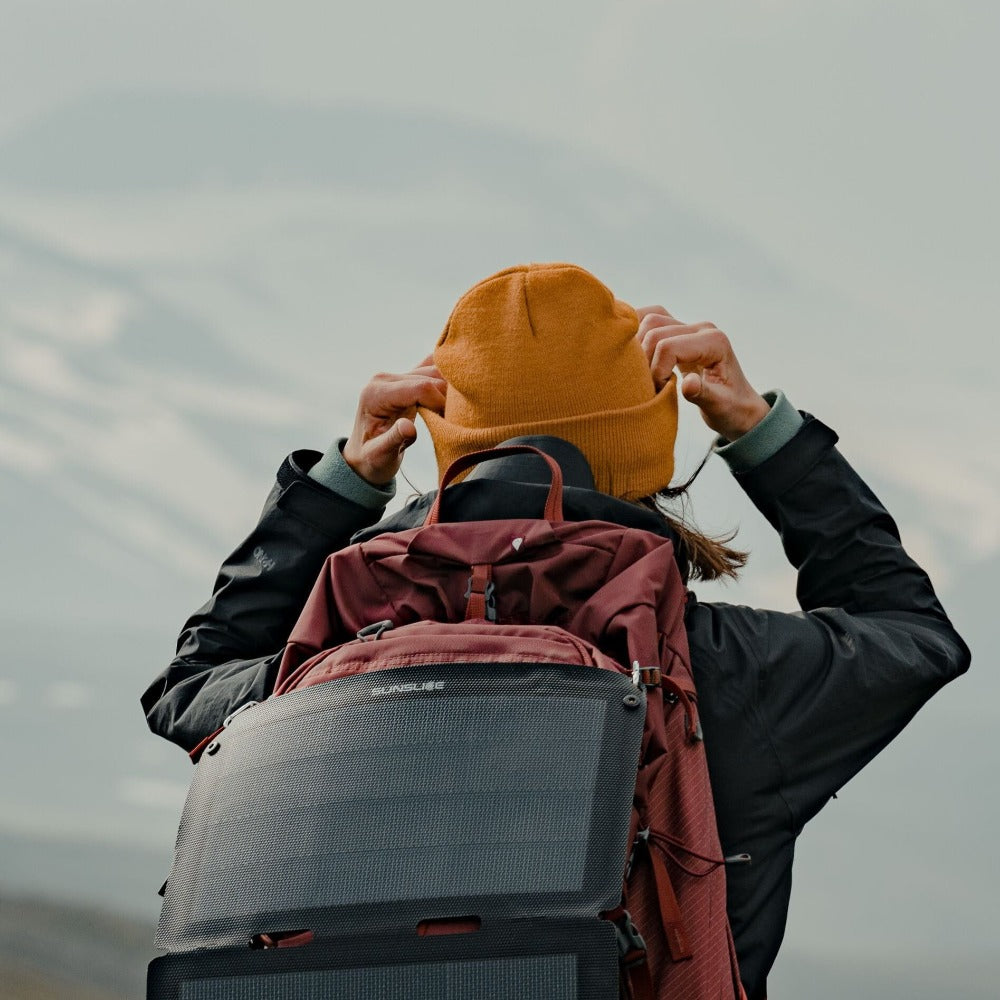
(592, 594)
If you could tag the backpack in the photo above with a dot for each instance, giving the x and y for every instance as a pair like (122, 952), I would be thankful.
(496, 721)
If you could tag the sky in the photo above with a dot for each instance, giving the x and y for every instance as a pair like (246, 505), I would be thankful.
(817, 178)
(852, 138)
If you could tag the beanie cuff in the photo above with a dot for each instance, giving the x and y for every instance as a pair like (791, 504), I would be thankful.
(630, 451)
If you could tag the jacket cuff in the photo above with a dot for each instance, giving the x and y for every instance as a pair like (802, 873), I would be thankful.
(767, 482)
(299, 494)
(333, 472)
(764, 440)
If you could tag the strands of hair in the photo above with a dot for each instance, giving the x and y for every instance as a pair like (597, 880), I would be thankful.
(703, 557)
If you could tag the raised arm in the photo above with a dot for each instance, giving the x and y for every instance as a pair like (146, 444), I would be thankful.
(794, 704)
(228, 651)
(872, 642)
(835, 683)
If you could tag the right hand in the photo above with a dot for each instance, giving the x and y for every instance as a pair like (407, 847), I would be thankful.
(712, 377)
(384, 426)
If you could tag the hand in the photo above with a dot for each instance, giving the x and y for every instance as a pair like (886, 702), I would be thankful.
(712, 377)
(384, 427)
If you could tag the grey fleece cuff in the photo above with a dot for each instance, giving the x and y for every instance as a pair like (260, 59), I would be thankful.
(333, 472)
(760, 443)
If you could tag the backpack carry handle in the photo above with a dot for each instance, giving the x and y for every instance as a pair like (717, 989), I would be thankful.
(553, 502)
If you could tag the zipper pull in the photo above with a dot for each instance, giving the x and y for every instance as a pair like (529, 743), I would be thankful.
(232, 715)
(374, 631)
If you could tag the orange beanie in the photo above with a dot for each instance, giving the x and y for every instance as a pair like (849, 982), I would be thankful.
(547, 349)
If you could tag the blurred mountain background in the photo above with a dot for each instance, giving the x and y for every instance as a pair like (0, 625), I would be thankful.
(197, 276)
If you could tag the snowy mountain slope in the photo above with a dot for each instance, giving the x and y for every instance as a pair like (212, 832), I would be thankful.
(115, 409)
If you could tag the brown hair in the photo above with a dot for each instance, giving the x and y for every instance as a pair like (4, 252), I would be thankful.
(702, 557)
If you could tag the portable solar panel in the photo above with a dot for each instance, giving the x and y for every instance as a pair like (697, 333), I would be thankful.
(378, 801)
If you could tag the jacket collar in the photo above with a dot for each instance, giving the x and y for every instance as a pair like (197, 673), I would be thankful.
(516, 487)
(495, 500)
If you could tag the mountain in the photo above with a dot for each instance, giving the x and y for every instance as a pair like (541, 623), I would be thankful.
(54, 951)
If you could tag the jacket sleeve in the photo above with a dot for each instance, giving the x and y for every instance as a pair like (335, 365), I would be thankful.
(229, 650)
(840, 679)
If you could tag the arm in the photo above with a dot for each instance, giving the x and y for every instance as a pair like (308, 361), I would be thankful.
(795, 704)
(872, 643)
(832, 685)
(229, 650)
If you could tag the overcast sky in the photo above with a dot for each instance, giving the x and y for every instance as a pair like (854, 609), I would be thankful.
(856, 139)
(855, 142)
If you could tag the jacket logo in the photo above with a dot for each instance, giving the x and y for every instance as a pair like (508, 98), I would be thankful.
(264, 560)
(517, 543)
(409, 688)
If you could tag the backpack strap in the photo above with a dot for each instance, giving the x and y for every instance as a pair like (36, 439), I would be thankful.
(553, 502)
(481, 594)
(670, 910)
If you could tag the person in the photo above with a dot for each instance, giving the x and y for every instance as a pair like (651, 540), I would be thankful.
(792, 704)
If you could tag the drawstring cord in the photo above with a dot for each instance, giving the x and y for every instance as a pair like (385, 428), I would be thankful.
(670, 845)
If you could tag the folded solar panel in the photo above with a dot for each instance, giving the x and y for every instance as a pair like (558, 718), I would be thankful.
(381, 800)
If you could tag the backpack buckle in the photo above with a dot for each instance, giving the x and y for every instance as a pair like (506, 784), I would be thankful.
(645, 677)
(480, 594)
(491, 601)
(631, 944)
(641, 837)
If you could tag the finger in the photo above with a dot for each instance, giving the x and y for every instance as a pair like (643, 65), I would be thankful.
(406, 432)
(427, 367)
(713, 399)
(428, 371)
(694, 388)
(405, 393)
(654, 321)
(656, 326)
(652, 335)
(661, 365)
(424, 371)
(643, 311)
(383, 450)
(699, 349)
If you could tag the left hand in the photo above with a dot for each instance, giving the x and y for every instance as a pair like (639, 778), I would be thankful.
(712, 377)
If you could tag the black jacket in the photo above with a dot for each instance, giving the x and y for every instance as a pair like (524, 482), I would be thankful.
(792, 704)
